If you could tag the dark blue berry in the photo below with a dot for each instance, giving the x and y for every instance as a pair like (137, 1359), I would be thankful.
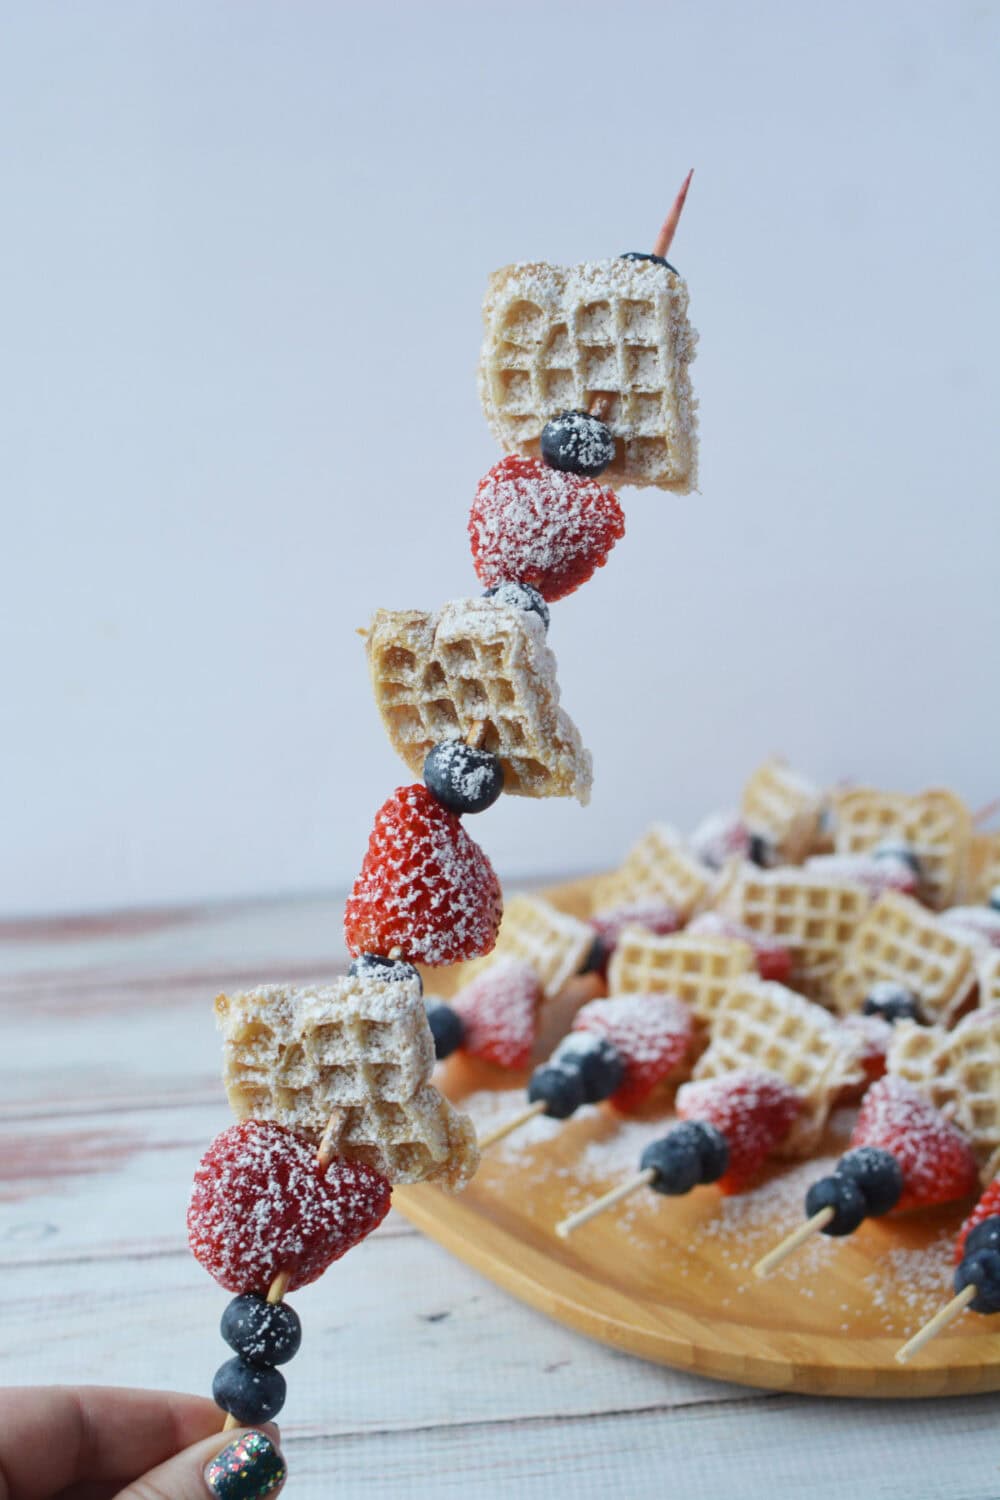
(844, 1197)
(761, 850)
(985, 1236)
(578, 443)
(981, 1270)
(676, 1160)
(713, 1148)
(395, 970)
(903, 854)
(877, 1174)
(892, 1001)
(657, 260)
(597, 957)
(248, 1392)
(560, 1089)
(596, 1059)
(995, 898)
(520, 596)
(462, 778)
(264, 1333)
(447, 1028)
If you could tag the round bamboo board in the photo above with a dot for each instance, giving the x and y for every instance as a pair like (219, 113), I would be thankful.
(670, 1279)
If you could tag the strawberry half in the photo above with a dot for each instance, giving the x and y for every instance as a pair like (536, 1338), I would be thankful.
(425, 887)
(753, 1109)
(499, 1011)
(261, 1203)
(988, 1205)
(935, 1158)
(652, 1035)
(532, 524)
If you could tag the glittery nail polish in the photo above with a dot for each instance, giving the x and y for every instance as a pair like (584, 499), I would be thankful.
(248, 1469)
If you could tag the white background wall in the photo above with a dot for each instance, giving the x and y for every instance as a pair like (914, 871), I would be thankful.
(243, 252)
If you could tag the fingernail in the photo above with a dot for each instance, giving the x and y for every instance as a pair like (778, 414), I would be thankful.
(248, 1469)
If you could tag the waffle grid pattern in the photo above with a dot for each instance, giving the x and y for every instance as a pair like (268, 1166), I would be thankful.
(657, 868)
(936, 825)
(814, 919)
(901, 941)
(697, 970)
(784, 805)
(555, 338)
(959, 1071)
(555, 944)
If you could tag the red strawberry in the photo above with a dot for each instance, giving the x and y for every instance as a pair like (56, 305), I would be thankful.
(873, 1034)
(425, 887)
(540, 526)
(988, 1205)
(774, 961)
(651, 916)
(753, 1109)
(651, 1033)
(499, 1011)
(936, 1161)
(261, 1204)
(719, 837)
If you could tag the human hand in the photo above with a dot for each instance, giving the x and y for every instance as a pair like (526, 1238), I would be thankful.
(98, 1443)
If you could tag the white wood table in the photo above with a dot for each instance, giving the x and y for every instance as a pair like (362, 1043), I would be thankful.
(416, 1377)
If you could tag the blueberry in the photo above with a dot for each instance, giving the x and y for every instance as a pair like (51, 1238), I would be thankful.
(877, 1174)
(248, 1392)
(844, 1197)
(761, 850)
(994, 900)
(892, 1001)
(578, 443)
(985, 1236)
(657, 260)
(596, 1060)
(981, 1270)
(462, 778)
(520, 596)
(597, 956)
(713, 1148)
(676, 1160)
(264, 1333)
(559, 1088)
(447, 1028)
(903, 854)
(374, 966)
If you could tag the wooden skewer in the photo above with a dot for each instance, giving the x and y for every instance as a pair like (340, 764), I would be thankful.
(791, 1242)
(665, 237)
(279, 1286)
(944, 1315)
(567, 1226)
(514, 1123)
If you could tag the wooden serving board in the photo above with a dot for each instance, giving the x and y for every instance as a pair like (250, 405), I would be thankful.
(670, 1279)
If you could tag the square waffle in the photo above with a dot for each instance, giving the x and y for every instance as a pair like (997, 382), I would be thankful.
(780, 803)
(935, 824)
(695, 969)
(555, 337)
(982, 874)
(760, 1024)
(475, 662)
(657, 868)
(813, 917)
(959, 1071)
(359, 1046)
(900, 940)
(555, 944)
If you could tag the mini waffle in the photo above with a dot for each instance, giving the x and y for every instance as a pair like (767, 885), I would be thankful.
(657, 868)
(959, 1071)
(555, 944)
(814, 918)
(900, 940)
(358, 1046)
(935, 824)
(556, 337)
(695, 969)
(764, 1025)
(477, 662)
(784, 806)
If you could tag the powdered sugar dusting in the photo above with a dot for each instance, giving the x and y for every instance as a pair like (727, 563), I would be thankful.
(652, 1034)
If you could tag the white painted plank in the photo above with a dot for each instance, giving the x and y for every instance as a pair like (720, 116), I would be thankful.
(396, 1335)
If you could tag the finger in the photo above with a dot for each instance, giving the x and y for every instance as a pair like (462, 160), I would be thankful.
(249, 1466)
(53, 1437)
